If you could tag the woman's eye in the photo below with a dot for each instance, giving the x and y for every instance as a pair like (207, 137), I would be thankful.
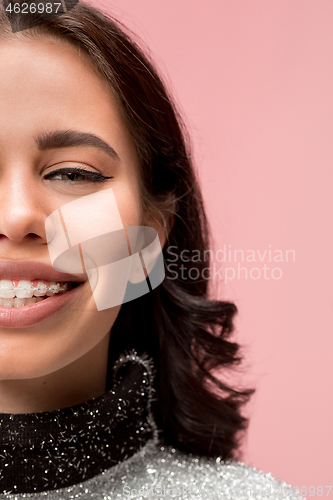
(77, 174)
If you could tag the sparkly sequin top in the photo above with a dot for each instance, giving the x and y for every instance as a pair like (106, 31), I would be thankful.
(108, 448)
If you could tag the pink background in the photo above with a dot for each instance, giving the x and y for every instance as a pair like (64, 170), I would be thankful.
(254, 79)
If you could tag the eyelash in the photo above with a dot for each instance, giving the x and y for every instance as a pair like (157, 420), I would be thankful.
(92, 176)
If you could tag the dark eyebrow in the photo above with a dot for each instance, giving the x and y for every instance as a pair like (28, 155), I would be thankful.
(71, 138)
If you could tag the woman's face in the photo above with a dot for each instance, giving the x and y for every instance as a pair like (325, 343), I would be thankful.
(46, 87)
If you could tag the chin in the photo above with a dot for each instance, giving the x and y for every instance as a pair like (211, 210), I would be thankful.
(18, 368)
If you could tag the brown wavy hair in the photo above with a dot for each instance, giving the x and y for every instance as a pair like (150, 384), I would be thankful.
(185, 332)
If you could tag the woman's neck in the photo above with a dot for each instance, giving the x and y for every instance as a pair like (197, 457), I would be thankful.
(75, 383)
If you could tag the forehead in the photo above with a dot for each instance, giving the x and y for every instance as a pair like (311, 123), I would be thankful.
(46, 83)
(36, 71)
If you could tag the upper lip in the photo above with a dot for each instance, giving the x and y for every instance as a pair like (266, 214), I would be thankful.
(20, 270)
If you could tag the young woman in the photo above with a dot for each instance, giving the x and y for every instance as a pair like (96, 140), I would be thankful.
(111, 402)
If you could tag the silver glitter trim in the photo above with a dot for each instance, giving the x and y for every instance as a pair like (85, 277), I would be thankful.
(148, 364)
(53, 450)
(164, 473)
(159, 472)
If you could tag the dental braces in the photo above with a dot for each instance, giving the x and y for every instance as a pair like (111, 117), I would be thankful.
(41, 288)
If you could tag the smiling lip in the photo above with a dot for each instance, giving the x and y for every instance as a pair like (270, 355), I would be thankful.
(27, 270)
(18, 317)
(29, 315)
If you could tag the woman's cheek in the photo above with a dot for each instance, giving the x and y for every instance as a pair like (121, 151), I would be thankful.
(129, 203)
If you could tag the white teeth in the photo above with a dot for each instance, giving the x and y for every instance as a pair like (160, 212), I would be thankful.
(41, 290)
(6, 289)
(7, 294)
(63, 288)
(6, 285)
(16, 302)
(53, 288)
(25, 289)
(33, 300)
(8, 302)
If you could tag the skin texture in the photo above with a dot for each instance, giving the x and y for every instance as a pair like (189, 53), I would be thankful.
(45, 86)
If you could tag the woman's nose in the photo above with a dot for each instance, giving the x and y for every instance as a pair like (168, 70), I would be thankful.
(21, 212)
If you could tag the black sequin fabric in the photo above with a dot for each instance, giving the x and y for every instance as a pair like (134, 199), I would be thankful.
(108, 449)
(49, 450)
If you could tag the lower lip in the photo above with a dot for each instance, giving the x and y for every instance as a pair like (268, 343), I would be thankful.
(32, 314)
